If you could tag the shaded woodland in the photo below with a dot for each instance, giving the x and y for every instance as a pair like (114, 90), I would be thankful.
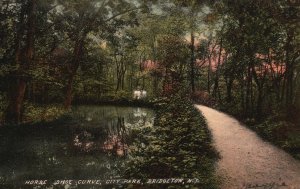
(241, 57)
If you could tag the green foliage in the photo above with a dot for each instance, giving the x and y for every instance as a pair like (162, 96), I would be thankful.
(284, 134)
(179, 145)
(37, 113)
(258, 78)
(119, 95)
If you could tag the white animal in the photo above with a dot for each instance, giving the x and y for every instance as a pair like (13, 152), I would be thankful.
(144, 94)
(139, 94)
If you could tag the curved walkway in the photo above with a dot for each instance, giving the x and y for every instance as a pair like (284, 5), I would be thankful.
(246, 160)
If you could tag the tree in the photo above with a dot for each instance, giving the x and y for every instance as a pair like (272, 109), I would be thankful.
(81, 19)
(194, 18)
(173, 54)
(255, 37)
(25, 25)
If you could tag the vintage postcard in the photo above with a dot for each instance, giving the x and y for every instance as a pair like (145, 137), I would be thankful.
(149, 94)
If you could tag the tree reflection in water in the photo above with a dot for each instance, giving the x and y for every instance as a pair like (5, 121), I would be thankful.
(114, 141)
(108, 130)
(92, 143)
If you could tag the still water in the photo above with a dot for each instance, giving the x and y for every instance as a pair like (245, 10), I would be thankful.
(93, 143)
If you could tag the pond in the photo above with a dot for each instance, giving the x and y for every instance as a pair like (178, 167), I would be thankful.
(93, 143)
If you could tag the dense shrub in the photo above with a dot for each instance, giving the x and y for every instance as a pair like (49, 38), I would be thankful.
(178, 146)
(281, 132)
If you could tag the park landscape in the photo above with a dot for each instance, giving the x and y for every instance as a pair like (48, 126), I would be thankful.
(150, 94)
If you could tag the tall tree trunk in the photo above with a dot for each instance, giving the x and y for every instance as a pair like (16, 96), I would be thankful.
(69, 89)
(209, 70)
(248, 91)
(259, 104)
(289, 75)
(260, 81)
(77, 54)
(242, 93)
(229, 90)
(208, 74)
(18, 87)
(14, 109)
(192, 63)
(216, 84)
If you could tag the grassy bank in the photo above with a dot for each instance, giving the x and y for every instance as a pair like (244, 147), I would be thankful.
(178, 146)
(34, 113)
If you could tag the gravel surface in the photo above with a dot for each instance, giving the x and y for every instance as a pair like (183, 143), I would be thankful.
(247, 161)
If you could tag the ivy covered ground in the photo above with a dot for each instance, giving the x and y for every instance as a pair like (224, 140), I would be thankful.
(178, 146)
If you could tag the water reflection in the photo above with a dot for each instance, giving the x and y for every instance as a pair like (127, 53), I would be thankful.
(92, 144)
(139, 112)
(108, 129)
(114, 139)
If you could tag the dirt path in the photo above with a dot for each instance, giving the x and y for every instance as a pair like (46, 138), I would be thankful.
(246, 160)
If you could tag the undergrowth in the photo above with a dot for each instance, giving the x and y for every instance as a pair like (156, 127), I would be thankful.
(178, 146)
